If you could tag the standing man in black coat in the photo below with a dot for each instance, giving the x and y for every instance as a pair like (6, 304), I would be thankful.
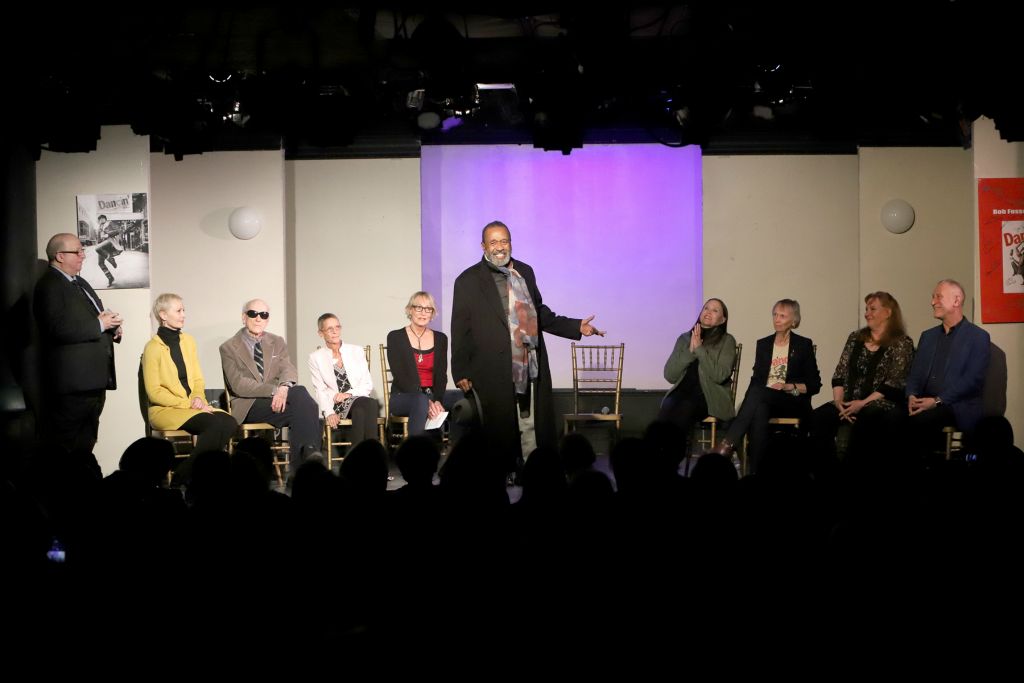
(77, 337)
(498, 321)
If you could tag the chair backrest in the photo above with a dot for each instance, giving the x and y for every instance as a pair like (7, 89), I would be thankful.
(227, 397)
(367, 352)
(144, 400)
(386, 377)
(735, 373)
(596, 370)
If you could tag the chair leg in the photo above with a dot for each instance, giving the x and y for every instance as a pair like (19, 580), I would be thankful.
(277, 470)
(328, 448)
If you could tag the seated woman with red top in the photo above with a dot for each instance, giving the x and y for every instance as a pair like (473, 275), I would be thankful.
(418, 358)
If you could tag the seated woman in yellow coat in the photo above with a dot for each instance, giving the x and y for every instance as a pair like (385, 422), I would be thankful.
(175, 386)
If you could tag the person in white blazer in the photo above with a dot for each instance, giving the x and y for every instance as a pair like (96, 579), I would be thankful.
(341, 381)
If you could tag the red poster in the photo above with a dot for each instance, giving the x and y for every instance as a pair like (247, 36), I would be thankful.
(1001, 249)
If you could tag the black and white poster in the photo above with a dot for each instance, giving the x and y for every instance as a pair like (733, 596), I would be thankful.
(114, 230)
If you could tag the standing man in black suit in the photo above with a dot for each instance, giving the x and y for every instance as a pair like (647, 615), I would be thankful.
(77, 337)
(498, 321)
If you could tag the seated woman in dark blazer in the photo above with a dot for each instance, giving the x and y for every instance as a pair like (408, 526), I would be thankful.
(418, 358)
(869, 381)
(785, 377)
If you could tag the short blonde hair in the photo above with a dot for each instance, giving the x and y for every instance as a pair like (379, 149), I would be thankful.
(794, 306)
(420, 295)
(162, 303)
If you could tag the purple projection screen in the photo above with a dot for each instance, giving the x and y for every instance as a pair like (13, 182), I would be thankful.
(611, 230)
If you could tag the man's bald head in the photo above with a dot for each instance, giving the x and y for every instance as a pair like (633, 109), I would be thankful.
(62, 241)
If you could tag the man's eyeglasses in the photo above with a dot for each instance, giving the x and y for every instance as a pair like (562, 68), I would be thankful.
(262, 314)
(423, 309)
(80, 252)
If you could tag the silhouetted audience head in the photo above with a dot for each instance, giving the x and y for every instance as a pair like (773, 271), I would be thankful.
(147, 461)
(630, 464)
(993, 434)
(417, 459)
(714, 471)
(577, 454)
(210, 484)
(992, 443)
(786, 459)
(543, 479)
(314, 485)
(474, 472)
(364, 471)
(249, 478)
(261, 452)
(590, 489)
(665, 441)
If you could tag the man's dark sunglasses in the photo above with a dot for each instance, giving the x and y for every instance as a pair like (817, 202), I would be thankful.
(263, 314)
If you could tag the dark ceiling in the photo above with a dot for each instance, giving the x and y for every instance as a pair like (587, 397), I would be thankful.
(734, 77)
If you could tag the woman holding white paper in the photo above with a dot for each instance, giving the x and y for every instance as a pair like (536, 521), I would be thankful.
(418, 358)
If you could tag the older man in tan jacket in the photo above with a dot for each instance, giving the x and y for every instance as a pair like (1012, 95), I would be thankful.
(263, 383)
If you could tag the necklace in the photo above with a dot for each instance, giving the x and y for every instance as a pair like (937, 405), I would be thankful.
(419, 358)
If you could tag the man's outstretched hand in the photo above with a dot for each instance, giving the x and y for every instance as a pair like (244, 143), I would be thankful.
(586, 329)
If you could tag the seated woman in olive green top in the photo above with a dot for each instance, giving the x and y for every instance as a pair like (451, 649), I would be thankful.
(700, 370)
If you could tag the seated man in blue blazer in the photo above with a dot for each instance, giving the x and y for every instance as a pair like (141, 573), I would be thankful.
(948, 374)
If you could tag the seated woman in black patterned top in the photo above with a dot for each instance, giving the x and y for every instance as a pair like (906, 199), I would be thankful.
(868, 384)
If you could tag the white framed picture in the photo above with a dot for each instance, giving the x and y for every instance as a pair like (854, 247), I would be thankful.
(114, 230)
